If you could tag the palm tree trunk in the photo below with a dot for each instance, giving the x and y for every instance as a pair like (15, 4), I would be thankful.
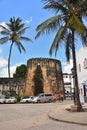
(9, 67)
(77, 98)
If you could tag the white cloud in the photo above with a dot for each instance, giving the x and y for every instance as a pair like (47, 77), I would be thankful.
(3, 24)
(4, 68)
(28, 21)
(64, 63)
(68, 67)
(3, 62)
(4, 71)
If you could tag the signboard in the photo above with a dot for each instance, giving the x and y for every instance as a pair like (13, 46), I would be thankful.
(82, 100)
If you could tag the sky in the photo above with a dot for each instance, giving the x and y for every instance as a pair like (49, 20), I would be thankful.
(32, 14)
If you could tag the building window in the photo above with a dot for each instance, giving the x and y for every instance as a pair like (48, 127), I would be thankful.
(79, 68)
(85, 63)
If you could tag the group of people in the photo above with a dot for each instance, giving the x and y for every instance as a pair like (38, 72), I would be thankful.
(59, 98)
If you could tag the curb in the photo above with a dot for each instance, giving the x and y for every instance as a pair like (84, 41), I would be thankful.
(65, 121)
(59, 114)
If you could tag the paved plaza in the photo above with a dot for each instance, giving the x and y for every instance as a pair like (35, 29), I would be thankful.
(36, 117)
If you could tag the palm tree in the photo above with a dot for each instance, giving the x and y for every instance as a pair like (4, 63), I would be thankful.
(13, 32)
(67, 22)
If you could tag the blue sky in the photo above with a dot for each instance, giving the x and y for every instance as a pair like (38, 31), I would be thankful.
(32, 14)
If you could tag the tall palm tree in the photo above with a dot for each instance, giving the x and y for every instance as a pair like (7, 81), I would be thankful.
(13, 32)
(67, 22)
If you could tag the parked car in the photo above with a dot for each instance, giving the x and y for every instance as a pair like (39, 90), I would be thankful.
(2, 99)
(42, 98)
(27, 100)
(11, 100)
(68, 95)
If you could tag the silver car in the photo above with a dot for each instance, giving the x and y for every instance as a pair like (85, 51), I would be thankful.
(42, 98)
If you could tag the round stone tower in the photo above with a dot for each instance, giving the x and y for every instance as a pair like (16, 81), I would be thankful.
(52, 76)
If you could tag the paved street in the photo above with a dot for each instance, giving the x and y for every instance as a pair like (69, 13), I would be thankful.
(32, 117)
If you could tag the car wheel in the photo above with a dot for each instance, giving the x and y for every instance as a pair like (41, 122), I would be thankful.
(50, 100)
(26, 101)
(38, 101)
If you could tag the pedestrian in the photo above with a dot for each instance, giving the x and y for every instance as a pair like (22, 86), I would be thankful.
(59, 97)
(54, 98)
(62, 97)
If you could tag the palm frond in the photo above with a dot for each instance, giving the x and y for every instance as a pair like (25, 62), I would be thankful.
(57, 40)
(4, 28)
(11, 24)
(83, 6)
(73, 2)
(25, 38)
(84, 38)
(75, 23)
(15, 24)
(4, 40)
(55, 6)
(20, 27)
(68, 46)
(3, 32)
(20, 46)
(49, 25)
(22, 31)
(18, 21)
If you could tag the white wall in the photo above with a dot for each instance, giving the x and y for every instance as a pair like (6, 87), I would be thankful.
(82, 72)
(80, 56)
(67, 78)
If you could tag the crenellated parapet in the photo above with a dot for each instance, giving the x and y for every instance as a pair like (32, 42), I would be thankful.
(44, 62)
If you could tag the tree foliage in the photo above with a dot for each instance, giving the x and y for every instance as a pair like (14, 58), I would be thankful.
(14, 32)
(38, 80)
(67, 21)
(68, 16)
(20, 71)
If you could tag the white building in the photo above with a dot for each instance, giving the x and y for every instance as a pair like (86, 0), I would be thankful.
(81, 58)
(67, 82)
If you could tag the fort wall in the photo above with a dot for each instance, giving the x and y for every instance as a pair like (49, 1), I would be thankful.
(52, 76)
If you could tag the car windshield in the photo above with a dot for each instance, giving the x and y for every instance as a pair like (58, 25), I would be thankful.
(31, 97)
(11, 97)
(1, 97)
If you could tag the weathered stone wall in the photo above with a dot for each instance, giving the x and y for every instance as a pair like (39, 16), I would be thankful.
(17, 85)
(52, 75)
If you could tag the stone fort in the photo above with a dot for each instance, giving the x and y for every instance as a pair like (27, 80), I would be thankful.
(52, 76)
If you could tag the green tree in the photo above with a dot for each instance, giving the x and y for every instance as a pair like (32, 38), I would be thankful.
(38, 80)
(20, 71)
(13, 32)
(67, 22)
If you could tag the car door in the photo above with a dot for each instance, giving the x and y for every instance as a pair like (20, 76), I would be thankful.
(48, 97)
(42, 98)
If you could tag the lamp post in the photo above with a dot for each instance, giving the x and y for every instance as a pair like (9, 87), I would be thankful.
(73, 83)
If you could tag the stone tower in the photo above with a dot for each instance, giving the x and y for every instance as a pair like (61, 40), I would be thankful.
(52, 76)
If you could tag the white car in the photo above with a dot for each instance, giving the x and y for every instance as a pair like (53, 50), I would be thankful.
(42, 98)
(27, 100)
(2, 99)
(11, 100)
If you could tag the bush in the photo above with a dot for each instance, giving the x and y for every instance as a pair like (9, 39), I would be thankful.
(17, 97)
